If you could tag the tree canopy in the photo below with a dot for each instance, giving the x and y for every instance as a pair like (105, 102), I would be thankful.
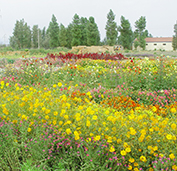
(126, 33)
(111, 29)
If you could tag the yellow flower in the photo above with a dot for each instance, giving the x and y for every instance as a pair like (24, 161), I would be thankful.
(23, 116)
(123, 152)
(66, 116)
(55, 113)
(68, 131)
(174, 167)
(131, 160)
(119, 141)
(128, 149)
(143, 158)
(88, 123)
(47, 111)
(76, 135)
(94, 117)
(112, 149)
(132, 131)
(46, 117)
(154, 109)
(29, 130)
(88, 93)
(135, 164)
(59, 84)
(54, 86)
(130, 167)
(97, 138)
(151, 169)
(91, 134)
(109, 139)
(136, 169)
(173, 110)
(155, 148)
(61, 122)
(172, 156)
(173, 126)
(54, 122)
(169, 136)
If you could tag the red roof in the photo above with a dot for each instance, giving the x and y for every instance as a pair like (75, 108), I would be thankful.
(159, 39)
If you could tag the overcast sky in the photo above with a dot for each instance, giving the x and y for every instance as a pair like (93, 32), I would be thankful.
(161, 15)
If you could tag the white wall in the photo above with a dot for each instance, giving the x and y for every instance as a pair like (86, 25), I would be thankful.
(159, 45)
(167, 46)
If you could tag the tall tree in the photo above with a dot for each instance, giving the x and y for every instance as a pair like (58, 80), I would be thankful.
(13, 42)
(126, 34)
(63, 36)
(174, 43)
(103, 42)
(53, 31)
(45, 38)
(27, 37)
(21, 35)
(76, 31)
(69, 35)
(83, 26)
(139, 33)
(93, 36)
(35, 36)
(111, 29)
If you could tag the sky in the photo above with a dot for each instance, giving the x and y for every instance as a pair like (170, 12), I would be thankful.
(161, 15)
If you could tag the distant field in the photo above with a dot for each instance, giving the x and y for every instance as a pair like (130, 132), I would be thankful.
(43, 53)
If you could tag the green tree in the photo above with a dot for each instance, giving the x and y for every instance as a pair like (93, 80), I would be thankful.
(93, 36)
(83, 27)
(174, 42)
(69, 35)
(76, 31)
(35, 36)
(63, 36)
(13, 42)
(53, 32)
(45, 38)
(139, 33)
(111, 29)
(21, 35)
(103, 42)
(27, 36)
(126, 34)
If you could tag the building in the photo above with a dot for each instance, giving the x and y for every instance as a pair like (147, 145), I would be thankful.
(158, 43)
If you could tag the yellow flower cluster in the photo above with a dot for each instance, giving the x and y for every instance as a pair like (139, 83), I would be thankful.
(128, 134)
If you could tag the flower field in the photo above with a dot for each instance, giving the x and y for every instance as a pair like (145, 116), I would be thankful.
(88, 112)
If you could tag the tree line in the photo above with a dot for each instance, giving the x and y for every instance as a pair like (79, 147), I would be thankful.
(81, 31)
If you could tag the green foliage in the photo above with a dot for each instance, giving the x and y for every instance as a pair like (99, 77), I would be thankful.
(93, 36)
(45, 38)
(69, 36)
(53, 31)
(21, 35)
(111, 29)
(139, 33)
(126, 36)
(136, 44)
(76, 31)
(63, 36)
(35, 36)
(174, 42)
(83, 26)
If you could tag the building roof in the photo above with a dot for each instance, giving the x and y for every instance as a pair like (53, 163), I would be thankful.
(158, 39)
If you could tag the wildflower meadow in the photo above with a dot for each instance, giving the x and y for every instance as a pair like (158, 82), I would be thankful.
(90, 112)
